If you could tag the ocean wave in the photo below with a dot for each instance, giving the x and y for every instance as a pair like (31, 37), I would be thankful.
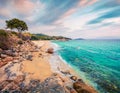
(91, 51)
(55, 46)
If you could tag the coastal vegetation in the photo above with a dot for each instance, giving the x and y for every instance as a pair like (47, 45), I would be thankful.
(16, 24)
(47, 37)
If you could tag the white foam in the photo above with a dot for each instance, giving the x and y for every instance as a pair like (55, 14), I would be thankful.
(55, 47)
(58, 63)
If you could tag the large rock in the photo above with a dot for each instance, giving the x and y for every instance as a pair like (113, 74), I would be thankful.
(81, 87)
(52, 85)
(7, 59)
(50, 50)
(3, 56)
(19, 78)
(0, 50)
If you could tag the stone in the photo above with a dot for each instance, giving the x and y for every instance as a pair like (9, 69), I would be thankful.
(10, 53)
(50, 50)
(16, 61)
(29, 57)
(1, 50)
(73, 78)
(81, 87)
(80, 80)
(67, 72)
(34, 83)
(52, 85)
(3, 56)
(77, 86)
(73, 91)
(7, 59)
(19, 78)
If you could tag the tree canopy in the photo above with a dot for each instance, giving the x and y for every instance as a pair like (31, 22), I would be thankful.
(16, 24)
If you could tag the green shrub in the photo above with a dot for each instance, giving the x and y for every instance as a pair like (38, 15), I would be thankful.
(8, 40)
(33, 37)
(14, 33)
(3, 33)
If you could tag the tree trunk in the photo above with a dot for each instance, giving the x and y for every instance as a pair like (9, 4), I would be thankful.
(20, 34)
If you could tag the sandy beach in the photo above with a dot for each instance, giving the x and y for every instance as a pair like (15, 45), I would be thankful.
(40, 68)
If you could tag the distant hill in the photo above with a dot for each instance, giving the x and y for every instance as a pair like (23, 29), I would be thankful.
(79, 39)
(47, 37)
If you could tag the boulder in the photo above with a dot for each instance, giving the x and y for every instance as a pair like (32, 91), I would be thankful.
(0, 50)
(50, 50)
(7, 59)
(19, 78)
(73, 78)
(73, 91)
(70, 90)
(51, 85)
(16, 61)
(29, 57)
(67, 72)
(3, 56)
(81, 87)
(34, 83)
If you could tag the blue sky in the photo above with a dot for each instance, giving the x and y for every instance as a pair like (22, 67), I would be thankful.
(71, 18)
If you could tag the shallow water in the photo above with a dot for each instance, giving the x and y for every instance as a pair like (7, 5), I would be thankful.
(97, 60)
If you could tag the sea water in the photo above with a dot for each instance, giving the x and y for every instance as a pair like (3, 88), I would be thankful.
(97, 61)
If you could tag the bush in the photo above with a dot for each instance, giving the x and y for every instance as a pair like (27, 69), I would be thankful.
(14, 33)
(26, 36)
(7, 40)
(33, 37)
(3, 33)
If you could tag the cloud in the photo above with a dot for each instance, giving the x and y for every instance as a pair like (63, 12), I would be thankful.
(86, 2)
(72, 18)
(111, 14)
(80, 4)
(23, 6)
(5, 12)
(55, 10)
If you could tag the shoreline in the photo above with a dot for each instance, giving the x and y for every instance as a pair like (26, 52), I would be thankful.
(60, 62)
(73, 71)
(40, 68)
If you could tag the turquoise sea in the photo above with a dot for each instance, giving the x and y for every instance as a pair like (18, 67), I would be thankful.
(97, 61)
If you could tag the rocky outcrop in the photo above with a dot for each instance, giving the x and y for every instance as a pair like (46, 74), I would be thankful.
(50, 50)
(16, 82)
(81, 87)
(20, 52)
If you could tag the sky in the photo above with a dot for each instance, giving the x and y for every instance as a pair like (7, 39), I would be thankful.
(71, 18)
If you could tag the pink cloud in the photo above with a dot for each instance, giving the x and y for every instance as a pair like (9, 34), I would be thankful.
(24, 6)
(118, 1)
(69, 12)
(5, 12)
(83, 3)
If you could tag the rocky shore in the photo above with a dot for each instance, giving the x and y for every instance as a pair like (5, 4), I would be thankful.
(26, 69)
